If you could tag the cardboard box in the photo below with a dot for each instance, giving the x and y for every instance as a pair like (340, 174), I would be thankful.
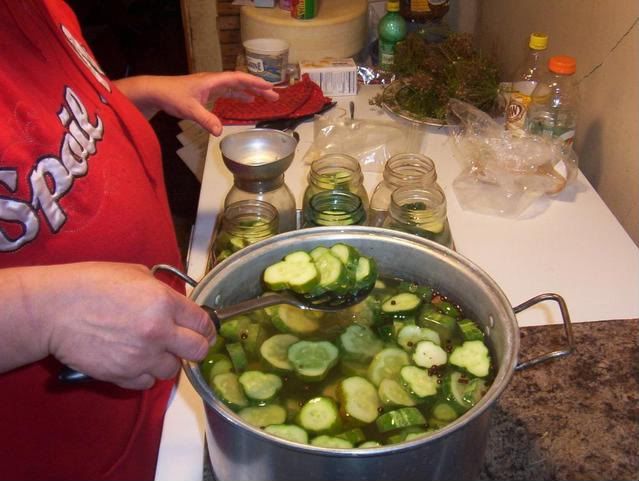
(335, 76)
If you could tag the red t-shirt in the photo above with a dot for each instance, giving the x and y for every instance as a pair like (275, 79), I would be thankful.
(80, 179)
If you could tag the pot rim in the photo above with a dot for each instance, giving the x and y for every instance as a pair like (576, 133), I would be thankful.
(501, 380)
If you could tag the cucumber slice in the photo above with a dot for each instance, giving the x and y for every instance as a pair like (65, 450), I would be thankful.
(331, 442)
(260, 387)
(359, 343)
(290, 432)
(472, 356)
(470, 330)
(428, 354)
(354, 436)
(319, 415)
(370, 444)
(400, 418)
(352, 368)
(296, 272)
(418, 382)
(425, 292)
(312, 360)
(461, 391)
(263, 416)
(445, 325)
(253, 338)
(449, 309)
(227, 388)
(233, 329)
(347, 254)
(444, 411)
(474, 391)
(333, 274)
(237, 355)
(407, 434)
(275, 351)
(409, 336)
(366, 272)
(211, 359)
(401, 305)
(359, 400)
(386, 364)
(291, 319)
(391, 393)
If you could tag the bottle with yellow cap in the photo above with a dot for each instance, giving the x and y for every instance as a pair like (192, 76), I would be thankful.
(553, 107)
(391, 29)
(524, 82)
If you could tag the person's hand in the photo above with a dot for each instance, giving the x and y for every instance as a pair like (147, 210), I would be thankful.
(118, 323)
(184, 96)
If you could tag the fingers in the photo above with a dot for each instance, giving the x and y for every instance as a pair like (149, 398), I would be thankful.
(207, 120)
(166, 367)
(143, 381)
(188, 344)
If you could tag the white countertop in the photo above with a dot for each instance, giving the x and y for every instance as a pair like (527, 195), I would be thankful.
(571, 245)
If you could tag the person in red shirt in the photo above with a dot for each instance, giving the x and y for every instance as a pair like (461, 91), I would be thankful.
(83, 217)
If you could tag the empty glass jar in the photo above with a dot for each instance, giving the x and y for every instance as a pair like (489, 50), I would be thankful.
(331, 207)
(420, 211)
(400, 170)
(338, 173)
(244, 223)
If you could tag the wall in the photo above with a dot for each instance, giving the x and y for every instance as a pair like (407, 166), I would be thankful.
(604, 38)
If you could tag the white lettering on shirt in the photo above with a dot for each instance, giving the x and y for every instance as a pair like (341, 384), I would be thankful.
(51, 177)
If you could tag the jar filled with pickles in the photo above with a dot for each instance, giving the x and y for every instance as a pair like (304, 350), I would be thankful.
(244, 223)
(335, 173)
(333, 208)
(400, 170)
(420, 211)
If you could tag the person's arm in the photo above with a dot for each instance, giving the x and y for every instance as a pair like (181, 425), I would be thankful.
(184, 96)
(114, 322)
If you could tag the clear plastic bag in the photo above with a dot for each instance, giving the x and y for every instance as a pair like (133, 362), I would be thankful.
(371, 142)
(505, 173)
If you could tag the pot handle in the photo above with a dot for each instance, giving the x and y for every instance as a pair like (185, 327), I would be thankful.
(567, 329)
(174, 271)
(189, 280)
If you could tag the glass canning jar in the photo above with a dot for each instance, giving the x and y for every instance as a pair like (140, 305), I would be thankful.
(244, 223)
(332, 207)
(400, 170)
(420, 211)
(335, 172)
(273, 191)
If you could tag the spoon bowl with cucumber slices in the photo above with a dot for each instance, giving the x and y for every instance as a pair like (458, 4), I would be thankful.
(322, 279)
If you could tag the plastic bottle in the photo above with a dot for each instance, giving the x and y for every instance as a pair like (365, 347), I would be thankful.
(423, 15)
(524, 82)
(391, 29)
(553, 108)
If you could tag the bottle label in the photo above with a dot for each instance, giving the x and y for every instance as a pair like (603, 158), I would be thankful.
(386, 54)
(518, 103)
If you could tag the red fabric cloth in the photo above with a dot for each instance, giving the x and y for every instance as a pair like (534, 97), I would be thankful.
(80, 179)
(302, 98)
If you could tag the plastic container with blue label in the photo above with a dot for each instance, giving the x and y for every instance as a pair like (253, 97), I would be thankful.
(267, 58)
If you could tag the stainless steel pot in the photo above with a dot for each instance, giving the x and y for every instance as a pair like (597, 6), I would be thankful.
(241, 452)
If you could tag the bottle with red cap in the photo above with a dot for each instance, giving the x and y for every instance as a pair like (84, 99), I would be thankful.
(553, 108)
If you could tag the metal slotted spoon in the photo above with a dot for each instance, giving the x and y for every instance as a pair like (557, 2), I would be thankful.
(328, 303)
